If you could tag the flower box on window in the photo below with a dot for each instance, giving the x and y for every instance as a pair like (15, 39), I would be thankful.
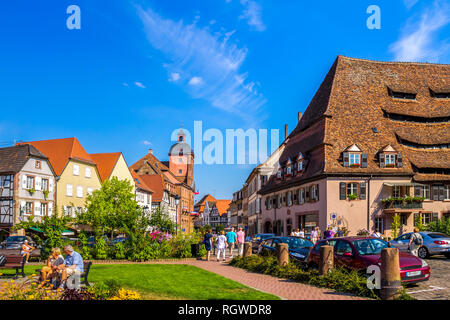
(390, 165)
(355, 165)
(352, 196)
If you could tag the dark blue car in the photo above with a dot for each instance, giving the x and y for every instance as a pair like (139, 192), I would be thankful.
(258, 238)
(298, 247)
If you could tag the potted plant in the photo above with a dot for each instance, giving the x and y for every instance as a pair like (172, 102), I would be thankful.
(355, 165)
(352, 196)
(45, 194)
(31, 191)
(363, 232)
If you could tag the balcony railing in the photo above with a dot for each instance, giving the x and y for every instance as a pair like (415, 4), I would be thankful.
(403, 205)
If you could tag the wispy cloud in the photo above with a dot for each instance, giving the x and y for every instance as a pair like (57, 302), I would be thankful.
(195, 81)
(418, 41)
(174, 77)
(146, 143)
(409, 3)
(253, 14)
(140, 85)
(125, 84)
(197, 53)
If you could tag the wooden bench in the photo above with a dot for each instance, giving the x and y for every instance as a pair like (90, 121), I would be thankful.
(87, 267)
(15, 262)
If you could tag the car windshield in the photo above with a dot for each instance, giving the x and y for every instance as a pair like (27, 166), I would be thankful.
(297, 242)
(16, 239)
(438, 235)
(264, 236)
(367, 247)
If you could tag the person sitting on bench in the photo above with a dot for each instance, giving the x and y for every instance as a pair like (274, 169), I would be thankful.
(26, 250)
(53, 262)
(73, 264)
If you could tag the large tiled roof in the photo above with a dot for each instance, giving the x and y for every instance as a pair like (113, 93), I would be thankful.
(59, 151)
(105, 163)
(12, 159)
(222, 206)
(200, 205)
(156, 183)
(351, 102)
(140, 182)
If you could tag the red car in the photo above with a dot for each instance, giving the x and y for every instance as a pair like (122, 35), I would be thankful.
(360, 252)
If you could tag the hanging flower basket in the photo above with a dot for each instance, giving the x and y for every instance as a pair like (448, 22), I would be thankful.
(31, 191)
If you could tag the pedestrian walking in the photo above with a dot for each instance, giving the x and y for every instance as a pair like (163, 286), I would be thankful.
(315, 234)
(231, 240)
(295, 233)
(221, 245)
(301, 233)
(207, 241)
(240, 240)
(415, 241)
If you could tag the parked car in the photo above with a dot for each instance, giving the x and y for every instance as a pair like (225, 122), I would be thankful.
(258, 238)
(15, 242)
(298, 247)
(91, 241)
(433, 243)
(358, 253)
(117, 240)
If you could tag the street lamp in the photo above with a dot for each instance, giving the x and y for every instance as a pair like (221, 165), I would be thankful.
(177, 201)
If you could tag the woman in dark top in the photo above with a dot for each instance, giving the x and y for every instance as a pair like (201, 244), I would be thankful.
(207, 241)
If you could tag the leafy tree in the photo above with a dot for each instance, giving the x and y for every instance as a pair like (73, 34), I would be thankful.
(219, 228)
(418, 222)
(441, 225)
(52, 228)
(161, 220)
(395, 226)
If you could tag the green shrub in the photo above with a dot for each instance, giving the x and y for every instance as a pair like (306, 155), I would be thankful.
(83, 248)
(100, 248)
(202, 251)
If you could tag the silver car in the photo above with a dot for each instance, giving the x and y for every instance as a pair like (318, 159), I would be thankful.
(433, 243)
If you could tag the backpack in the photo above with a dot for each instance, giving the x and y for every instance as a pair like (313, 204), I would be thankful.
(418, 240)
(2, 260)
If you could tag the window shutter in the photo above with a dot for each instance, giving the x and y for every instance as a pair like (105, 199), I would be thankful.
(382, 161)
(24, 182)
(317, 192)
(436, 193)
(399, 160)
(441, 193)
(364, 160)
(342, 191)
(345, 159)
(23, 204)
(37, 208)
(50, 185)
(50, 208)
(307, 194)
(38, 183)
(362, 191)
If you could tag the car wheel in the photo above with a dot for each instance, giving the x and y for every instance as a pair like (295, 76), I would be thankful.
(423, 252)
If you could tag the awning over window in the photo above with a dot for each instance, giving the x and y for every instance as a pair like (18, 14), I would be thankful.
(403, 184)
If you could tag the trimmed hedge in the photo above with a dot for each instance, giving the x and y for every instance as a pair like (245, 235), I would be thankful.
(338, 279)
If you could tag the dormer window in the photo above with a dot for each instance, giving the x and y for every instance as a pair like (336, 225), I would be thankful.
(440, 95)
(390, 158)
(288, 167)
(353, 157)
(401, 95)
(300, 162)
(279, 173)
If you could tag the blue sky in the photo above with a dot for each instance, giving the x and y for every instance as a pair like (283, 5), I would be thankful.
(137, 69)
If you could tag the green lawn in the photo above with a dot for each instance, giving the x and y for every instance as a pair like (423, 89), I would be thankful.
(156, 281)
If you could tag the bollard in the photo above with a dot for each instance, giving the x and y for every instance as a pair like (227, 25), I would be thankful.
(283, 254)
(326, 259)
(390, 274)
(247, 249)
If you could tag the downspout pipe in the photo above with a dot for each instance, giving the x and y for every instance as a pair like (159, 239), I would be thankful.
(368, 202)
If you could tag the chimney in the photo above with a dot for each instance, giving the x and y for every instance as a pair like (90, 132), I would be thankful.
(286, 131)
(150, 151)
(299, 116)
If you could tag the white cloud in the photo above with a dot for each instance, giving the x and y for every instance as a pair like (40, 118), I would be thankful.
(140, 85)
(418, 41)
(174, 77)
(409, 3)
(147, 143)
(195, 52)
(125, 84)
(195, 81)
(252, 13)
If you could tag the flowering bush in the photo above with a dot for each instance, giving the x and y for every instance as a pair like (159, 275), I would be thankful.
(124, 294)
(363, 232)
(27, 290)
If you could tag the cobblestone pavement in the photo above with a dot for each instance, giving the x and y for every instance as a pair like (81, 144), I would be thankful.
(438, 287)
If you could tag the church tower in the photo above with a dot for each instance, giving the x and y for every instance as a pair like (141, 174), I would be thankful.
(181, 160)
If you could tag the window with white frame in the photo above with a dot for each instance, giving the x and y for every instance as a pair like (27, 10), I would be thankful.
(379, 224)
(68, 210)
(30, 182)
(300, 165)
(79, 192)
(396, 191)
(76, 170)
(289, 169)
(389, 159)
(352, 188)
(426, 217)
(87, 172)
(355, 158)
(28, 208)
(447, 192)
(89, 191)
(44, 209)
(44, 185)
(69, 190)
